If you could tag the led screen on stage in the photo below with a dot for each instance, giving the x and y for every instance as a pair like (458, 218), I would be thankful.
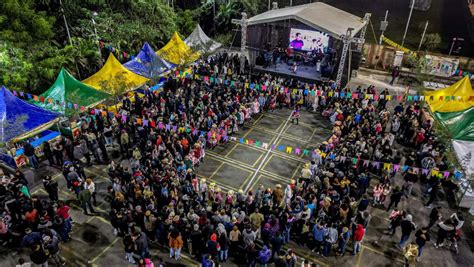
(308, 40)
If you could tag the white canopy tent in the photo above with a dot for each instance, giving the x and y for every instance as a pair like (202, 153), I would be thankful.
(200, 41)
(320, 16)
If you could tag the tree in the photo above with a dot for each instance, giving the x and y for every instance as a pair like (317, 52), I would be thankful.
(186, 21)
(431, 41)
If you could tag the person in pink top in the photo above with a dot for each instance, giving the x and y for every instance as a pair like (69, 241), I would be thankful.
(377, 193)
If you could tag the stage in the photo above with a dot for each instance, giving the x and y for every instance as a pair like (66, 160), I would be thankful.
(304, 73)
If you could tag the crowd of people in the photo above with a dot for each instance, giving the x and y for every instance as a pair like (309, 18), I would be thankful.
(156, 196)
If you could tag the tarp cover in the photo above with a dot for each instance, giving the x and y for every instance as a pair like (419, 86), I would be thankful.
(462, 88)
(177, 52)
(12, 109)
(110, 74)
(320, 16)
(459, 124)
(464, 152)
(147, 64)
(66, 89)
(199, 41)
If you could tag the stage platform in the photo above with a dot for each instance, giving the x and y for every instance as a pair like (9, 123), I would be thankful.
(304, 73)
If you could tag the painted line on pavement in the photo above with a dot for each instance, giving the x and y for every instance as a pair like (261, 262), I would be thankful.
(104, 250)
(266, 155)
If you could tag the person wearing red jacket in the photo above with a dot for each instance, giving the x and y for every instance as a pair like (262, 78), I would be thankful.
(358, 236)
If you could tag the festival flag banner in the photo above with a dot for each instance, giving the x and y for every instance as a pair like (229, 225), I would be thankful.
(298, 151)
(424, 171)
(396, 167)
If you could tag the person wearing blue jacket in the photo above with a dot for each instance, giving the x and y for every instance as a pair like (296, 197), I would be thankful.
(319, 232)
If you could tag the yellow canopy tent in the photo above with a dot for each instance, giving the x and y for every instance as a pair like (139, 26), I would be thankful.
(462, 89)
(113, 74)
(177, 52)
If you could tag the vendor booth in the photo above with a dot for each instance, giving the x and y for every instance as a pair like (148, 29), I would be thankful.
(147, 63)
(113, 74)
(67, 91)
(199, 41)
(177, 52)
(19, 121)
(454, 109)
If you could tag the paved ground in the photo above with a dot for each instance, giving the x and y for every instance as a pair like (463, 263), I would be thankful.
(242, 166)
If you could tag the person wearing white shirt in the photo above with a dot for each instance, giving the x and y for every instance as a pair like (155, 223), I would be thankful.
(89, 185)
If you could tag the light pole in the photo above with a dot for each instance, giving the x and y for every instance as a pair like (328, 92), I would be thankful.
(423, 36)
(97, 37)
(214, 16)
(61, 9)
(408, 22)
(383, 27)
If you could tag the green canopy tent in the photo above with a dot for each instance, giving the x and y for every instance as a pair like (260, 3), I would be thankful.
(67, 91)
(460, 124)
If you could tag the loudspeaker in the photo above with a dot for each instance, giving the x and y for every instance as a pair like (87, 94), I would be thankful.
(356, 60)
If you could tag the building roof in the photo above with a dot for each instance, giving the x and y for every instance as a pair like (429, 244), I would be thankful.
(319, 16)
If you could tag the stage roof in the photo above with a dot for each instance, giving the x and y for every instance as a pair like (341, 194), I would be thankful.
(320, 16)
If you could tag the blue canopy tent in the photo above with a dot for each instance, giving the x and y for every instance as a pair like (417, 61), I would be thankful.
(147, 63)
(19, 119)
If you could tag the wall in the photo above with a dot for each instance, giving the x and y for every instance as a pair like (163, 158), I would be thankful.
(381, 57)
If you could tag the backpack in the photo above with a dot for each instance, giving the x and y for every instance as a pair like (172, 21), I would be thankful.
(264, 256)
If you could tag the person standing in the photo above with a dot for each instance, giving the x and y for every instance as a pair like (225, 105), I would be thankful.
(330, 240)
(407, 226)
(69, 147)
(39, 255)
(358, 236)
(410, 254)
(90, 185)
(48, 153)
(213, 247)
(129, 247)
(175, 242)
(197, 243)
(85, 197)
(422, 236)
(435, 215)
(395, 198)
(433, 194)
(29, 152)
(395, 74)
(141, 242)
(58, 153)
(343, 240)
(51, 187)
(295, 114)
(51, 243)
(224, 245)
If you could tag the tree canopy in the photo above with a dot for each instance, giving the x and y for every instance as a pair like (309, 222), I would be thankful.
(34, 43)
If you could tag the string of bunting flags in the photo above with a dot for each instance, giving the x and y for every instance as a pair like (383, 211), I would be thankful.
(329, 155)
(312, 90)
(391, 167)
(309, 89)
